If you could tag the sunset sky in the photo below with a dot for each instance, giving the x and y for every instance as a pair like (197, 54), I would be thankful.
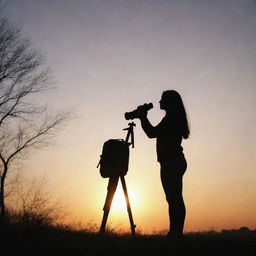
(108, 57)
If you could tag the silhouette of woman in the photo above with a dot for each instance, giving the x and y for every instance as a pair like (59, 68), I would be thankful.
(169, 134)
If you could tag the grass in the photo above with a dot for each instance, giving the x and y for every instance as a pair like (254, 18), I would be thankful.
(17, 239)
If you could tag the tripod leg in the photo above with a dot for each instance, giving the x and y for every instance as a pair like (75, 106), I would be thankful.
(112, 185)
(128, 205)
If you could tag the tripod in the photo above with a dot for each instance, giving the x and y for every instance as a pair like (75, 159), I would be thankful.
(112, 185)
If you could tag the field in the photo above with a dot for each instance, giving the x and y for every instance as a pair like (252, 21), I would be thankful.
(43, 240)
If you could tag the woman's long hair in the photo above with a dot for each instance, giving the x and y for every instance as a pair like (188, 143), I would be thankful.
(174, 105)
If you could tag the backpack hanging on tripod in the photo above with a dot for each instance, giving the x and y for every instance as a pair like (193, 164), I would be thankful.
(114, 158)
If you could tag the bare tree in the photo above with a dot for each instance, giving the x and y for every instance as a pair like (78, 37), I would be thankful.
(24, 124)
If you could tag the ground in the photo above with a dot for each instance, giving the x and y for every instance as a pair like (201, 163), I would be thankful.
(36, 240)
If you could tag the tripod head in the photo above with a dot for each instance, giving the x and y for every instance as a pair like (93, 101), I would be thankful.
(130, 133)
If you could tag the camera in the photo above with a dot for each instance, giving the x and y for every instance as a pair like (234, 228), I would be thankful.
(136, 113)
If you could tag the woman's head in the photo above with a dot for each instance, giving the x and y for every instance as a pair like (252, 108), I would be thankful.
(172, 103)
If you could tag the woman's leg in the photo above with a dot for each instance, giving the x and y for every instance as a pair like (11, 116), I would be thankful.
(177, 209)
(171, 177)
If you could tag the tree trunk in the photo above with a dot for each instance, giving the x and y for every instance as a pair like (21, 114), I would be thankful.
(2, 205)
